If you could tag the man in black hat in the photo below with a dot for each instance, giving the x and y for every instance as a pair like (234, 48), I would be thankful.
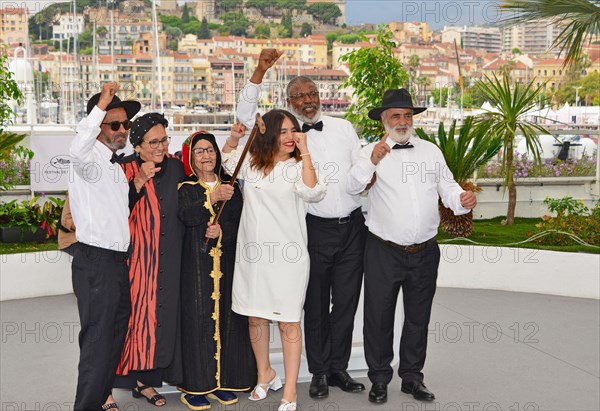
(408, 175)
(98, 191)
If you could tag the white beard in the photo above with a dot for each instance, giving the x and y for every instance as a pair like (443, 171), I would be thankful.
(305, 119)
(398, 134)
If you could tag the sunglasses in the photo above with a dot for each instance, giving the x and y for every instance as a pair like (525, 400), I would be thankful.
(116, 125)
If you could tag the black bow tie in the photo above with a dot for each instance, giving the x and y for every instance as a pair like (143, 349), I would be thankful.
(401, 146)
(116, 158)
(317, 126)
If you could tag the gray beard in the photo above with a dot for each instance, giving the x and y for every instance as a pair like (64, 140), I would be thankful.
(397, 136)
(305, 119)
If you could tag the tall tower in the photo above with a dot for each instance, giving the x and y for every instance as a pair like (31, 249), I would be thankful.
(168, 5)
(205, 8)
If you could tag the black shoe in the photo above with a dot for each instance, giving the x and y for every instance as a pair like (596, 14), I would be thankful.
(137, 393)
(318, 387)
(378, 393)
(343, 380)
(418, 390)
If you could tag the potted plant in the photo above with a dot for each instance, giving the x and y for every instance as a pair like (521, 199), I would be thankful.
(28, 221)
(464, 154)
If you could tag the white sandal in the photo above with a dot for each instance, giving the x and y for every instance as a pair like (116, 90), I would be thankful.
(261, 389)
(287, 406)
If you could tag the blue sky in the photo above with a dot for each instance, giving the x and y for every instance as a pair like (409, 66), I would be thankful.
(437, 13)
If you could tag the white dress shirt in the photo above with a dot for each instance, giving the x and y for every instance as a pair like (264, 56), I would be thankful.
(403, 202)
(332, 150)
(98, 189)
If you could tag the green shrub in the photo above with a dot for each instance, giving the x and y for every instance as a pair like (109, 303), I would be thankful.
(572, 218)
(31, 215)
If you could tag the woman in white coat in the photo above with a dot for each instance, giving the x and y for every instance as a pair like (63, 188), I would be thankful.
(271, 271)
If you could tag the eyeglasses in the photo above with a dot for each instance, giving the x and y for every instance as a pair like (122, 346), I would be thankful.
(300, 96)
(116, 125)
(199, 151)
(154, 143)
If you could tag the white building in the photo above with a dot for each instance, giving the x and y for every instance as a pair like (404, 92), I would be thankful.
(125, 34)
(534, 37)
(480, 38)
(68, 25)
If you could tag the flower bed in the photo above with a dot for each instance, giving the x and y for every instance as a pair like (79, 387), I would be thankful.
(525, 167)
(14, 169)
(573, 221)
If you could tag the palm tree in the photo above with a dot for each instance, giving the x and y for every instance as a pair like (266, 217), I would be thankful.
(582, 18)
(465, 154)
(511, 102)
(8, 142)
(422, 83)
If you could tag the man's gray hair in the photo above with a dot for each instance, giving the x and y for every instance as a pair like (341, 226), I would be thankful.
(297, 80)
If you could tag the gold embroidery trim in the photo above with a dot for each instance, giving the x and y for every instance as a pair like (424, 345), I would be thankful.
(216, 275)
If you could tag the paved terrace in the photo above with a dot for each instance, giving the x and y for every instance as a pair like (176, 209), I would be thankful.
(488, 350)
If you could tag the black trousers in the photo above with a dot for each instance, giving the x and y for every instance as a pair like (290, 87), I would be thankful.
(336, 270)
(387, 269)
(101, 285)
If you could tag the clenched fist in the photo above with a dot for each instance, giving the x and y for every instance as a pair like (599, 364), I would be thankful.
(468, 199)
(266, 60)
(300, 140)
(147, 171)
(222, 193)
(106, 95)
(213, 230)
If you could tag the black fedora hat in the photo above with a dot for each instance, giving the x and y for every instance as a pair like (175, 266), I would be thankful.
(131, 107)
(395, 98)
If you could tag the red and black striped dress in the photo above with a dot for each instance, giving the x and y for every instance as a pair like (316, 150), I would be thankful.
(154, 268)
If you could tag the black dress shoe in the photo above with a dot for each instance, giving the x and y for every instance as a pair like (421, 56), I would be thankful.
(318, 387)
(343, 380)
(418, 390)
(378, 393)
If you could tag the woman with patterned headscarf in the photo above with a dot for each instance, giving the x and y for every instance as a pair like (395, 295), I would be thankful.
(216, 354)
(154, 258)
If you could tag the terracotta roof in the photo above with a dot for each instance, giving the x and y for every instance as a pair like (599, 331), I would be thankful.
(259, 41)
(228, 38)
(316, 72)
(214, 59)
(225, 50)
(549, 62)
(359, 44)
(14, 10)
(416, 46)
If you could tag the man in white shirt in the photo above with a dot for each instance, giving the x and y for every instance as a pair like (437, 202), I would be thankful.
(335, 226)
(98, 191)
(408, 176)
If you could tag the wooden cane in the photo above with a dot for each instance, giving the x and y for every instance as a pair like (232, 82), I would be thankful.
(259, 125)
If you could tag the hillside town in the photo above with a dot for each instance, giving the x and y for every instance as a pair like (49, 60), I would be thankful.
(343, 205)
(205, 52)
